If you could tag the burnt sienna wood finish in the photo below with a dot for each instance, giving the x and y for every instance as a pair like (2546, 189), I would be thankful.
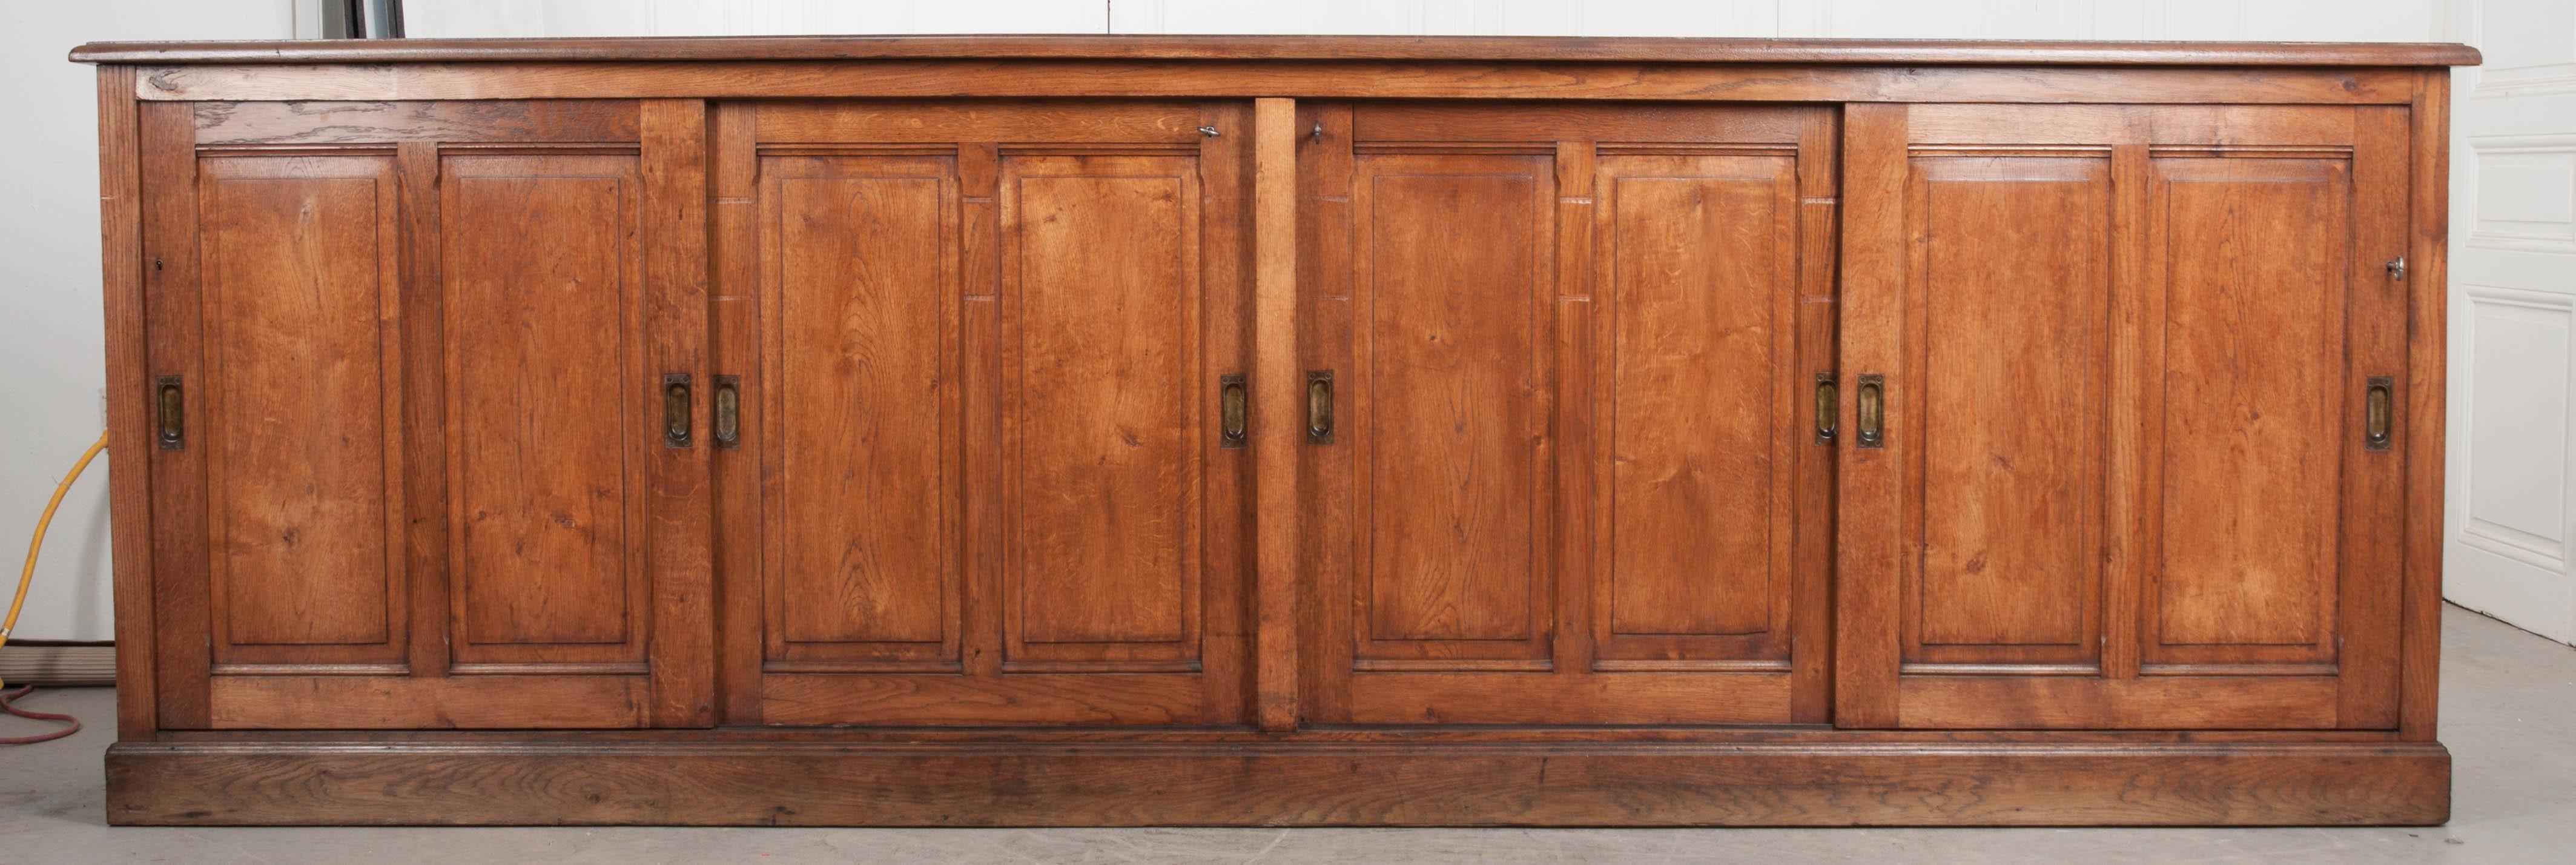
(874, 402)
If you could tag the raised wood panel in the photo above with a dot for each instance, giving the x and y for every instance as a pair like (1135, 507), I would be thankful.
(303, 454)
(546, 388)
(1698, 263)
(1100, 308)
(1455, 268)
(2011, 265)
(2253, 253)
(861, 258)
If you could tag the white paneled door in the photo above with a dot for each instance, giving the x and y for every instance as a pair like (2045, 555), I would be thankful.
(2513, 314)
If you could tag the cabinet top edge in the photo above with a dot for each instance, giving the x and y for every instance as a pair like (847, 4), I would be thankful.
(1922, 52)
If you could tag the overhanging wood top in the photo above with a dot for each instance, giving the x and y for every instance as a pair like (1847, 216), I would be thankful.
(1903, 52)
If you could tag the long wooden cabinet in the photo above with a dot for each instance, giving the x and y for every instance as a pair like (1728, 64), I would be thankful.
(1018, 431)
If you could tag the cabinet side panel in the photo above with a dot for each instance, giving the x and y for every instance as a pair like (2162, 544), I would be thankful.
(297, 287)
(120, 191)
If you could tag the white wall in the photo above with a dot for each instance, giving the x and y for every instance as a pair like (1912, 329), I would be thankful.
(2513, 316)
(50, 340)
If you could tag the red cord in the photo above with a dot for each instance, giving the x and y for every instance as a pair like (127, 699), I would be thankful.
(7, 706)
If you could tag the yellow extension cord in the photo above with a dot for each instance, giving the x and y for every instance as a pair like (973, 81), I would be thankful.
(28, 575)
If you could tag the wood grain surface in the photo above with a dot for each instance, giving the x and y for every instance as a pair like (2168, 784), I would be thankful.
(1919, 52)
(771, 784)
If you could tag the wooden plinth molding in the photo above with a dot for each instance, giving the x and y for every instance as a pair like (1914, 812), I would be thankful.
(358, 782)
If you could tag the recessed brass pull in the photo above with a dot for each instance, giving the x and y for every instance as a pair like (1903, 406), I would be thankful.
(1869, 411)
(1319, 406)
(173, 403)
(728, 408)
(2377, 414)
(676, 422)
(1230, 411)
(1828, 407)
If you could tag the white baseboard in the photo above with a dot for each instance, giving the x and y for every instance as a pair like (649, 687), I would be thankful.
(57, 666)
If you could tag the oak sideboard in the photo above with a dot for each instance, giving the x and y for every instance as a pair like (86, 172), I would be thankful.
(1275, 431)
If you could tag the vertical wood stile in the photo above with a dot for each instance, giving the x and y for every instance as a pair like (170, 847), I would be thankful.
(425, 410)
(174, 322)
(1811, 601)
(681, 650)
(1324, 249)
(1277, 431)
(1581, 402)
(1225, 480)
(1868, 537)
(2133, 498)
(734, 313)
(981, 380)
(2370, 594)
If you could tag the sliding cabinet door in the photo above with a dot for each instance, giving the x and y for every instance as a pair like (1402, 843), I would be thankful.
(2138, 371)
(1571, 474)
(425, 378)
(983, 472)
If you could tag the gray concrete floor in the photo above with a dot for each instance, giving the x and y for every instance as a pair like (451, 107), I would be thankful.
(2508, 714)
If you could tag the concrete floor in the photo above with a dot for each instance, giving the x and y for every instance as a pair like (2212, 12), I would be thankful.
(2508, 714)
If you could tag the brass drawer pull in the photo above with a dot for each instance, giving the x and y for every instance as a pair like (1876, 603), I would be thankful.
(677, 425)
(1319, 406)
(1828, 408)
(2377, 414)
(1230, 411)
(728, 409)
(1869, 412)
(173, 403)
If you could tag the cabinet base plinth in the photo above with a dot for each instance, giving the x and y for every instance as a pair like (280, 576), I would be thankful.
(693, 779)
